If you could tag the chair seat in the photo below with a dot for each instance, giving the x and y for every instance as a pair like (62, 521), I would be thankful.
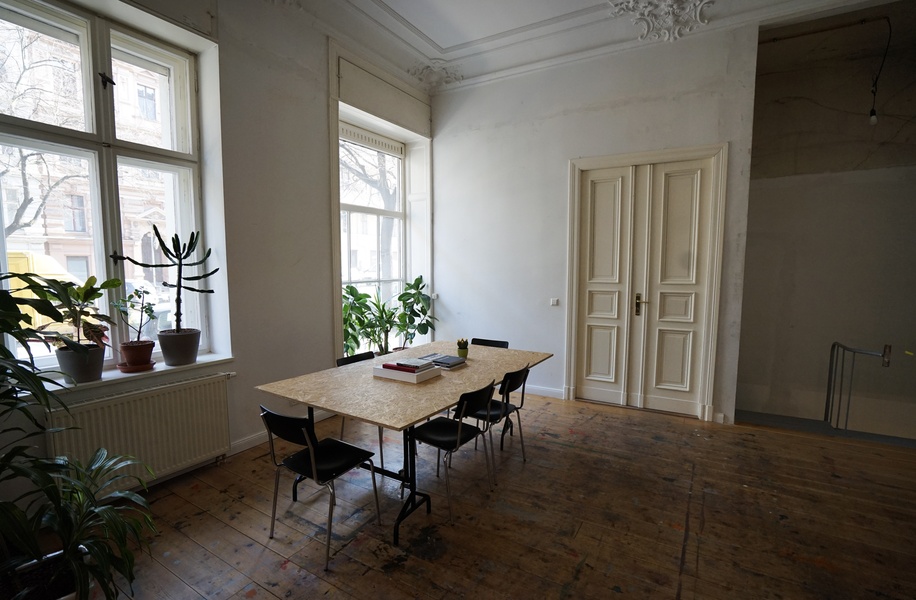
(494, 411)
(332, 458)
(441, 433)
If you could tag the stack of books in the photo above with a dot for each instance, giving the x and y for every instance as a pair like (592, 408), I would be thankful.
(410, 365)
(412, 370)
(445, 361)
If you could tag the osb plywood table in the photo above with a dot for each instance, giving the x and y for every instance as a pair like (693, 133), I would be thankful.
(352, 391)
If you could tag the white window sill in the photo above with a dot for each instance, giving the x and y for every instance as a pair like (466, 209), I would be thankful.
(113, 378)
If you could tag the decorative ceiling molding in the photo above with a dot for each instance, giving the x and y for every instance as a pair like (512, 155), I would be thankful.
(665, 20)
(435, 75)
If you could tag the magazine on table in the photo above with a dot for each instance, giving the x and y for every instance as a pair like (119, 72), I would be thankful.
(445, 361)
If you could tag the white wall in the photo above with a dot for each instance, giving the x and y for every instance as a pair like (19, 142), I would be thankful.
(501, 155)
(274, 89)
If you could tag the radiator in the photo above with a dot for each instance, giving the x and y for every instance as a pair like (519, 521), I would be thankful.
(169, 428)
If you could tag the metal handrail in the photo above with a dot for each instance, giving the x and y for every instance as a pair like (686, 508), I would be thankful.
(838, 353)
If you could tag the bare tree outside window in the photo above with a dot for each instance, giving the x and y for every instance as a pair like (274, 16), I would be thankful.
(370, 190)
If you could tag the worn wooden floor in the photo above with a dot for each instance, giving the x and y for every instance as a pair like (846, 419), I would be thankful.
(611, 503)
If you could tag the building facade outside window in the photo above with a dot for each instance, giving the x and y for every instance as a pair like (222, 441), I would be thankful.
(71, 169)
(75, 214)
(146, 100)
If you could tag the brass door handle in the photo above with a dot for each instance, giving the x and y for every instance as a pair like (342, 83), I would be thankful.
(639, 303)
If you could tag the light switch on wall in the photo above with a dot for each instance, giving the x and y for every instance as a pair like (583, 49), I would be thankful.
(554, 302)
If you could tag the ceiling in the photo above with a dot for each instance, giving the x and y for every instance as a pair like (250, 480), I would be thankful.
(449, 43)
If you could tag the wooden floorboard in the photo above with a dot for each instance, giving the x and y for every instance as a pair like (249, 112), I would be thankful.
(611, 503)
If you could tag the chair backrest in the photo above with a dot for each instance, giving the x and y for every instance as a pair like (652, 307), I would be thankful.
(296, 430)
(347, 360)
(471, 402)
(486, 342)
(512, 381)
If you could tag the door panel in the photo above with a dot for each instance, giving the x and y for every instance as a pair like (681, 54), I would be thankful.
(681, 195)
(645, 229)
(605, 246)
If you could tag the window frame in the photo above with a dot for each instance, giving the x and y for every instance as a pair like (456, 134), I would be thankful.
(375, 141)
(100, 140)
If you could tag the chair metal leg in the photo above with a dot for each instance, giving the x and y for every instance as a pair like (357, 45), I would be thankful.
(491, 477)
(492, 458)
(378, 508)
(299, 479)
(331, 501)
(507, 427)
(381, 449)
(343, 421)
(273, 512)
(448, 489)
(521, 436)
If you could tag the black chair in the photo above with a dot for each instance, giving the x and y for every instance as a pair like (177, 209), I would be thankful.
(448, 434)
(349, 360)
(321, 461)
(491, 343)
(499, 409)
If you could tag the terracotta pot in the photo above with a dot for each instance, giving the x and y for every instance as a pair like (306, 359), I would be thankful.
(136, 356)
(179, 347)
(82, 367)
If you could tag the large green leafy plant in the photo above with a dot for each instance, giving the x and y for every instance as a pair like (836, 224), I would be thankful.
(414, 317)
(369, 318)
(78, 309)
(72, 511)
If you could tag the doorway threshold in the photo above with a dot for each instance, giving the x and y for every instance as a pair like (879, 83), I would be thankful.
(744, 417)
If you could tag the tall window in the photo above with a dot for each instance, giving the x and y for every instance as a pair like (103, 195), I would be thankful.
(372, 212)
(79, 166)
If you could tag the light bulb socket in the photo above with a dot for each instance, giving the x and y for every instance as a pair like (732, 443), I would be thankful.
(873, 117)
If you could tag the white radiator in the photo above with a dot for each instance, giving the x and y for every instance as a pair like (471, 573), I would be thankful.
(169, 428)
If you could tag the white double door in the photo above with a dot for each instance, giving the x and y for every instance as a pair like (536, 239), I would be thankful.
(649, 242)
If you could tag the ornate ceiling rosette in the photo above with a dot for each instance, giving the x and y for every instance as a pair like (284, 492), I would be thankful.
(665, 20)
(435, 75)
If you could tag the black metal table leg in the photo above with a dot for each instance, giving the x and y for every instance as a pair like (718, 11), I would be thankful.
(415, 499)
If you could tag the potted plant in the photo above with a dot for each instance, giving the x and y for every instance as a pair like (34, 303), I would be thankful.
(371, 319)
(413, 317)
(81, 349)
(136, 352)
(179, 345)
(62, 528)
(355, 307)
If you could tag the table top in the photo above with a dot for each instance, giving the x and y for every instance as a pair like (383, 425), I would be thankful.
(354, 392)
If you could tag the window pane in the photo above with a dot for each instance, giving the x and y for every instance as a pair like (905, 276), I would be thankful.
(364, 246)
(390, 248)
(41, 76)
(151, 95)
(38, 187)
(160, 195)
(369, 178)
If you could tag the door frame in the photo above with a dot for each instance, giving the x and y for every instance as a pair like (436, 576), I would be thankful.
(718, 153)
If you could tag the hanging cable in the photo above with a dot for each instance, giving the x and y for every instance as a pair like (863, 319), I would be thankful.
(873, 115)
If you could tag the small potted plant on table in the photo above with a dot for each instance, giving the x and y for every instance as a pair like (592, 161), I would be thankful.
(179, 345)
(136, 352)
